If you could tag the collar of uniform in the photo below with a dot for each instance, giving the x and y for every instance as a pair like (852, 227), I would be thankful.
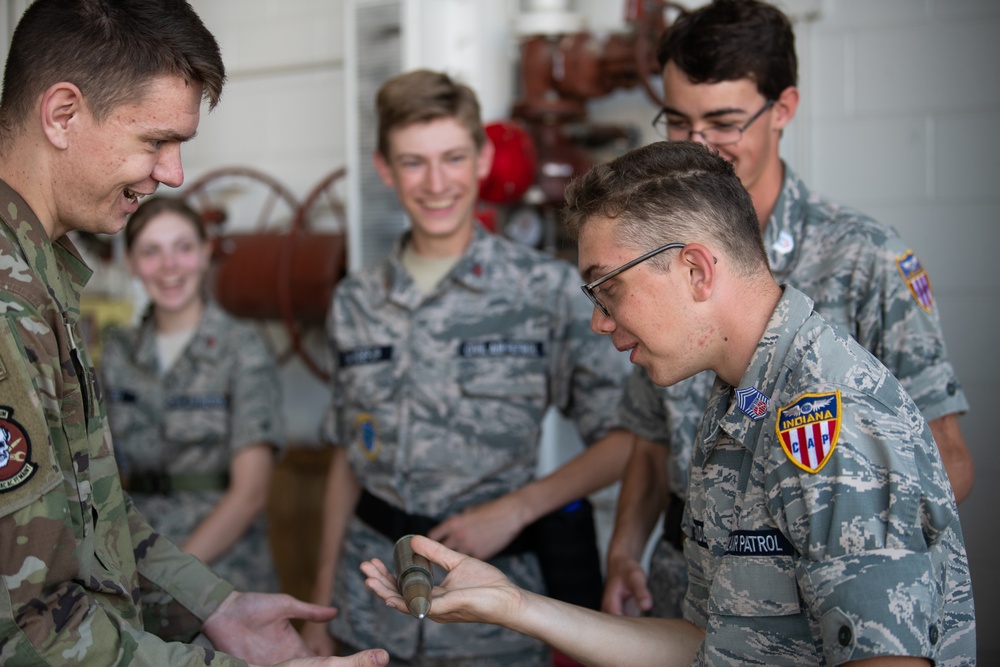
(204, 343)
(144, 350)
(784, 229)
(470, 271)
(44, 256)
(764, 371)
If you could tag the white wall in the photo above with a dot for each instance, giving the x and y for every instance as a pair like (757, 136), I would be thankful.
(903, 117)
(900, 117)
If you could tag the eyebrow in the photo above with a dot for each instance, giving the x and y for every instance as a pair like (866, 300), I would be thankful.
(170, 135)
(715, 113)
(593, 272)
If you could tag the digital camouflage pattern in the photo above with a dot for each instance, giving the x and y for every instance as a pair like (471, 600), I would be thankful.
(76, 559)
(853, 554)
(439, 399)
(849, 265)
(222, 394)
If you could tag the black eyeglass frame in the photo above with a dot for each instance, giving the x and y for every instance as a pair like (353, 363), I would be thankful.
(666, 130)
(588, 289)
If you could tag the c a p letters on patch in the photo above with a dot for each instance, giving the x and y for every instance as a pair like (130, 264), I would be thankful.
(808, 429)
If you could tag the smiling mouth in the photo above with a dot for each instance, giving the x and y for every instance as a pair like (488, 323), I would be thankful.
(133, 197)
(439, 205)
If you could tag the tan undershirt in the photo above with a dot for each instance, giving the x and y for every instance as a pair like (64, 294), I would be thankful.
(169, 347)
(427, 272)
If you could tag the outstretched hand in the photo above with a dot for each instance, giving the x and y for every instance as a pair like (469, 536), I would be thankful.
(257, 627)
(472, 591)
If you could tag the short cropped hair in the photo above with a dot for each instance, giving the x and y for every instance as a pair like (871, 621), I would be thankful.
(421, 96)
(152, 207)
(728, 40)
(671, 192)
(110, 49)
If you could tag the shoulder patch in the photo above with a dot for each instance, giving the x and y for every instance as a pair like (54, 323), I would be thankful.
(916, 279)
(808, 429)
(16, 463)
(28, 467)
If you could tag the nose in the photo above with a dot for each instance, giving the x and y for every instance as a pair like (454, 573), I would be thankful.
(697, 137)
(435, 177)
(170, 258)
(168, 169)
(601, 324)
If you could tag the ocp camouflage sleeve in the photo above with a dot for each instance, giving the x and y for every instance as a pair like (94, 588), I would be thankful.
(68, 558)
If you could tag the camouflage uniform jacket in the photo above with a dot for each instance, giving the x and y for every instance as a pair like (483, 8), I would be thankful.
(75, 556)
(221, 395)
(439, 399)
(820, 522)
(862, 277)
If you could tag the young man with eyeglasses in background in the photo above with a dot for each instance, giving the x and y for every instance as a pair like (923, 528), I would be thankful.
(729, 77)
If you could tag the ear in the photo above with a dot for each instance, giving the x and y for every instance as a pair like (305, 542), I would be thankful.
(700, 265)
(785, 107)
(485, 159)
(61, 105)
(384, 170)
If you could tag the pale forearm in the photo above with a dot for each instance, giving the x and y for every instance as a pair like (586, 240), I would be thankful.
(597, 639)
(954, 454)
(244, 500)
(643, 495)
(339, 501)
(223, 527)
(598, 466)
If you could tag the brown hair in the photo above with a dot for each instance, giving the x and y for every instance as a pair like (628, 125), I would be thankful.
(421, 96)
(671, 192)
(110, 49)
(728, 40)
(151, 208)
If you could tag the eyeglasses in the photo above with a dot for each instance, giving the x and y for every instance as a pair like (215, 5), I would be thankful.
(716, 135)
(589, 288)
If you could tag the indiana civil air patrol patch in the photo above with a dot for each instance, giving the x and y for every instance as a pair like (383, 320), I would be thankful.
(16, 466)
(808, 429)
(916, 279)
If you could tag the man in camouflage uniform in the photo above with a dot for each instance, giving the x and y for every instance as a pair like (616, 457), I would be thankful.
(820, 527)
(97, 99)
(449, 352)
(860, 275)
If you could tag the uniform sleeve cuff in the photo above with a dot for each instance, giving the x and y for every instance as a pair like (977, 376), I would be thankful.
(874, 604)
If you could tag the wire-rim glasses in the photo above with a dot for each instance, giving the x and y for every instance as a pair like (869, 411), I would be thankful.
(716, 136)
(589, 288)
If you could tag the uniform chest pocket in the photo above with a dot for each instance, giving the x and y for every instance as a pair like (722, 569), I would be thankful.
(192, 418)
(368, 385)
(503, 369)
(125, 415)
(755, 586)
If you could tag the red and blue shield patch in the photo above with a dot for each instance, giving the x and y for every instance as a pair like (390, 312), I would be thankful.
(808, 429)
(916, 279)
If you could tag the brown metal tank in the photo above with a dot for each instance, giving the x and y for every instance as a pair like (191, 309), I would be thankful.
(256, 273)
